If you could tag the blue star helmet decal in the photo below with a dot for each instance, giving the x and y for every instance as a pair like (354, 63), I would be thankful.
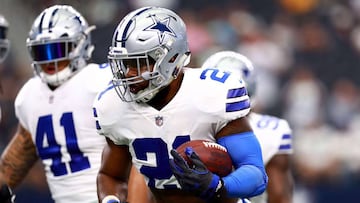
(162, 27)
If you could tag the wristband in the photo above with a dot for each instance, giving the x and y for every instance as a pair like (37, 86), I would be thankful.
(111, 199)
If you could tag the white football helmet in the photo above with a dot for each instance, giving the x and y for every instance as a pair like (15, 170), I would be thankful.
(235, 63)
(151, 36)
(59, 33)
(4, 41)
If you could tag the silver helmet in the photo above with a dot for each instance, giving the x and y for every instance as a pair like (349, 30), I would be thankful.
(4, 41)
(59, 33)
(235, 63)
(148, 36)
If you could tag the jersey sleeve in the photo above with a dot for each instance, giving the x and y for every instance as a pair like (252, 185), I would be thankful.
(107, 122)
(227, 97)
(20, 104)
(97, 76)
(285, 146)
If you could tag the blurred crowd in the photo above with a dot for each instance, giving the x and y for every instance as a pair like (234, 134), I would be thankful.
(307, 55)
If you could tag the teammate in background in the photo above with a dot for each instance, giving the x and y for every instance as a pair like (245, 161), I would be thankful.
(54, 109)
(6, 194)
(163, 105)
(274, 134)
(4, 44)
(4, 41)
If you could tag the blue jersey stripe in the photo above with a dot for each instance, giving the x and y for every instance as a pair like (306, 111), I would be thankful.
(233, 93)
(238, 106)
(286, 136)
(95, 113)
(97, 125)
(103, 92)
(285, 146)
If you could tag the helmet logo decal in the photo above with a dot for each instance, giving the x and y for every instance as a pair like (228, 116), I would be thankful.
(162, 27)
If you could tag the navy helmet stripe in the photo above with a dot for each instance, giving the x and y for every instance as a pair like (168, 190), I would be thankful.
(52, 16)
(95, 112)
(238, 106)
(123, 37)
(41, 22)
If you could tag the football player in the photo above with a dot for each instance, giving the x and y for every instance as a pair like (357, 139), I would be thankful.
(163, 105)
(273, 133)
(4, 44)
(4, 41)
(54, 109)
(6, 194)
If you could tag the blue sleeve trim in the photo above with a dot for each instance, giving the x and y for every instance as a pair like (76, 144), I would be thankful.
(249, 177)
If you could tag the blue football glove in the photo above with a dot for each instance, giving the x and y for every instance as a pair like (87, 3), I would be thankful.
(197, 179)
(6, 194)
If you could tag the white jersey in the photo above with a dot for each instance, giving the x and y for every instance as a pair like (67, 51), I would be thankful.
(206, 101)
(274, 135)
(63, 129)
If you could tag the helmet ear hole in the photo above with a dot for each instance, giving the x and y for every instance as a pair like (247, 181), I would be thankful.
(151, 60)
(173, 59)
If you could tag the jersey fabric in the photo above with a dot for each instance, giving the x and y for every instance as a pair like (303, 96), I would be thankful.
(275, 137)
(206, 101)
(63, 129)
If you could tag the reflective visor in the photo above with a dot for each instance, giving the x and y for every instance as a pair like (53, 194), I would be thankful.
(51, 51)
(2, 32)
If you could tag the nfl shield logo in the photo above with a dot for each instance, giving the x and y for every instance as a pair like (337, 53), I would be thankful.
(159, 120)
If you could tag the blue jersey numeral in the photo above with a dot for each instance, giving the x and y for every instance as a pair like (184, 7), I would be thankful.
(156, 147)
(52, 150)
(268, 122)
(216, 75)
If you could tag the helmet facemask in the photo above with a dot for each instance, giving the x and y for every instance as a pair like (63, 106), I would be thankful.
(151, 60)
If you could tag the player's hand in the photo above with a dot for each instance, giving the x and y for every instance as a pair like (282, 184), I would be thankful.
(198, 178)
(6, 194)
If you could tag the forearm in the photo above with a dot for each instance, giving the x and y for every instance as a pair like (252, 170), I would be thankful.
(114, 172)
(18, 158)
(280, 190)
(107, 185)
(249, 178)
(280, 187)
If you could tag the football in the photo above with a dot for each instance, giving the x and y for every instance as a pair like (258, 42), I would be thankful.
(213, 155)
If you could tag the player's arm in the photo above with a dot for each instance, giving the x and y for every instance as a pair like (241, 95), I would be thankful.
(17, 159)
(249, 177)
(137, 188)
(114, 172)
(280, 186)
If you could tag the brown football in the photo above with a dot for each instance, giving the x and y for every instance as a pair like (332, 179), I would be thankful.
(213, 155)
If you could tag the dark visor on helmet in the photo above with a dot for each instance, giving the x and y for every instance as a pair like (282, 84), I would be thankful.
(2, 32)
(51, 51)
